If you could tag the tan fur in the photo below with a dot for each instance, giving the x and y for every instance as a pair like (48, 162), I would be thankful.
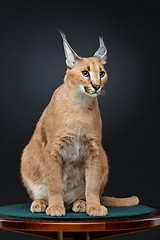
(64, 161)
(79, 206)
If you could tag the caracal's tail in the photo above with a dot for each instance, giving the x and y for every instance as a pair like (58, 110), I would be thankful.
(119, 202)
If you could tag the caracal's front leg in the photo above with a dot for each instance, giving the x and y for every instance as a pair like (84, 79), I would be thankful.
(96, 177)
(54, 181)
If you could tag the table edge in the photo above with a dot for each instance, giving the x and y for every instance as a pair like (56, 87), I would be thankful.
(108, 224)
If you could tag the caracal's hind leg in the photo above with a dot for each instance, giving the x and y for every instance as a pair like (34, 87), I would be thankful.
(38, 206)
(39, 195)
(79, 206)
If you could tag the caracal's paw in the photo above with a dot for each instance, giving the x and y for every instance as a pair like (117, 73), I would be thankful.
(97, 211)
(38, 206)
(79, 206)
(56, 211)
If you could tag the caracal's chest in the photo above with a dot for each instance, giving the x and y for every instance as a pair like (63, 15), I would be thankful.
(74, 151)
(73, 158)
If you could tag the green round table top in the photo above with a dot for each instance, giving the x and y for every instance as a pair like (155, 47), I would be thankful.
(23, 211)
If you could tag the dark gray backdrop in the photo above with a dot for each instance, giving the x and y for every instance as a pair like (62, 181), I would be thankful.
(33, 65)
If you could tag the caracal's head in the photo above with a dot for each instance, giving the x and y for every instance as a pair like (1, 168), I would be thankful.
(85, 75)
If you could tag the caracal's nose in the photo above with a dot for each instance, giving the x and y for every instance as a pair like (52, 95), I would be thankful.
(95, 86)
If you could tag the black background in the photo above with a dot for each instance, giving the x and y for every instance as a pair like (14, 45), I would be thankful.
(32, 66)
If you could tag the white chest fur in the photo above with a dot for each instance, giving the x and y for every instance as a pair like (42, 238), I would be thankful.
(73, 159)
(74, 151)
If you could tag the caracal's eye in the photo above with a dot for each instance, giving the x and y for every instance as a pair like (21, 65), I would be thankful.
(85, 73)
(101, 74)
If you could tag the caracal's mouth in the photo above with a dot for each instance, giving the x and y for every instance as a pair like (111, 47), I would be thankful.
(89, 92)
(92, 94)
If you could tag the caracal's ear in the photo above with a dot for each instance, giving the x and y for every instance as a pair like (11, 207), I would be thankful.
(71, 57)
(101, 53)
